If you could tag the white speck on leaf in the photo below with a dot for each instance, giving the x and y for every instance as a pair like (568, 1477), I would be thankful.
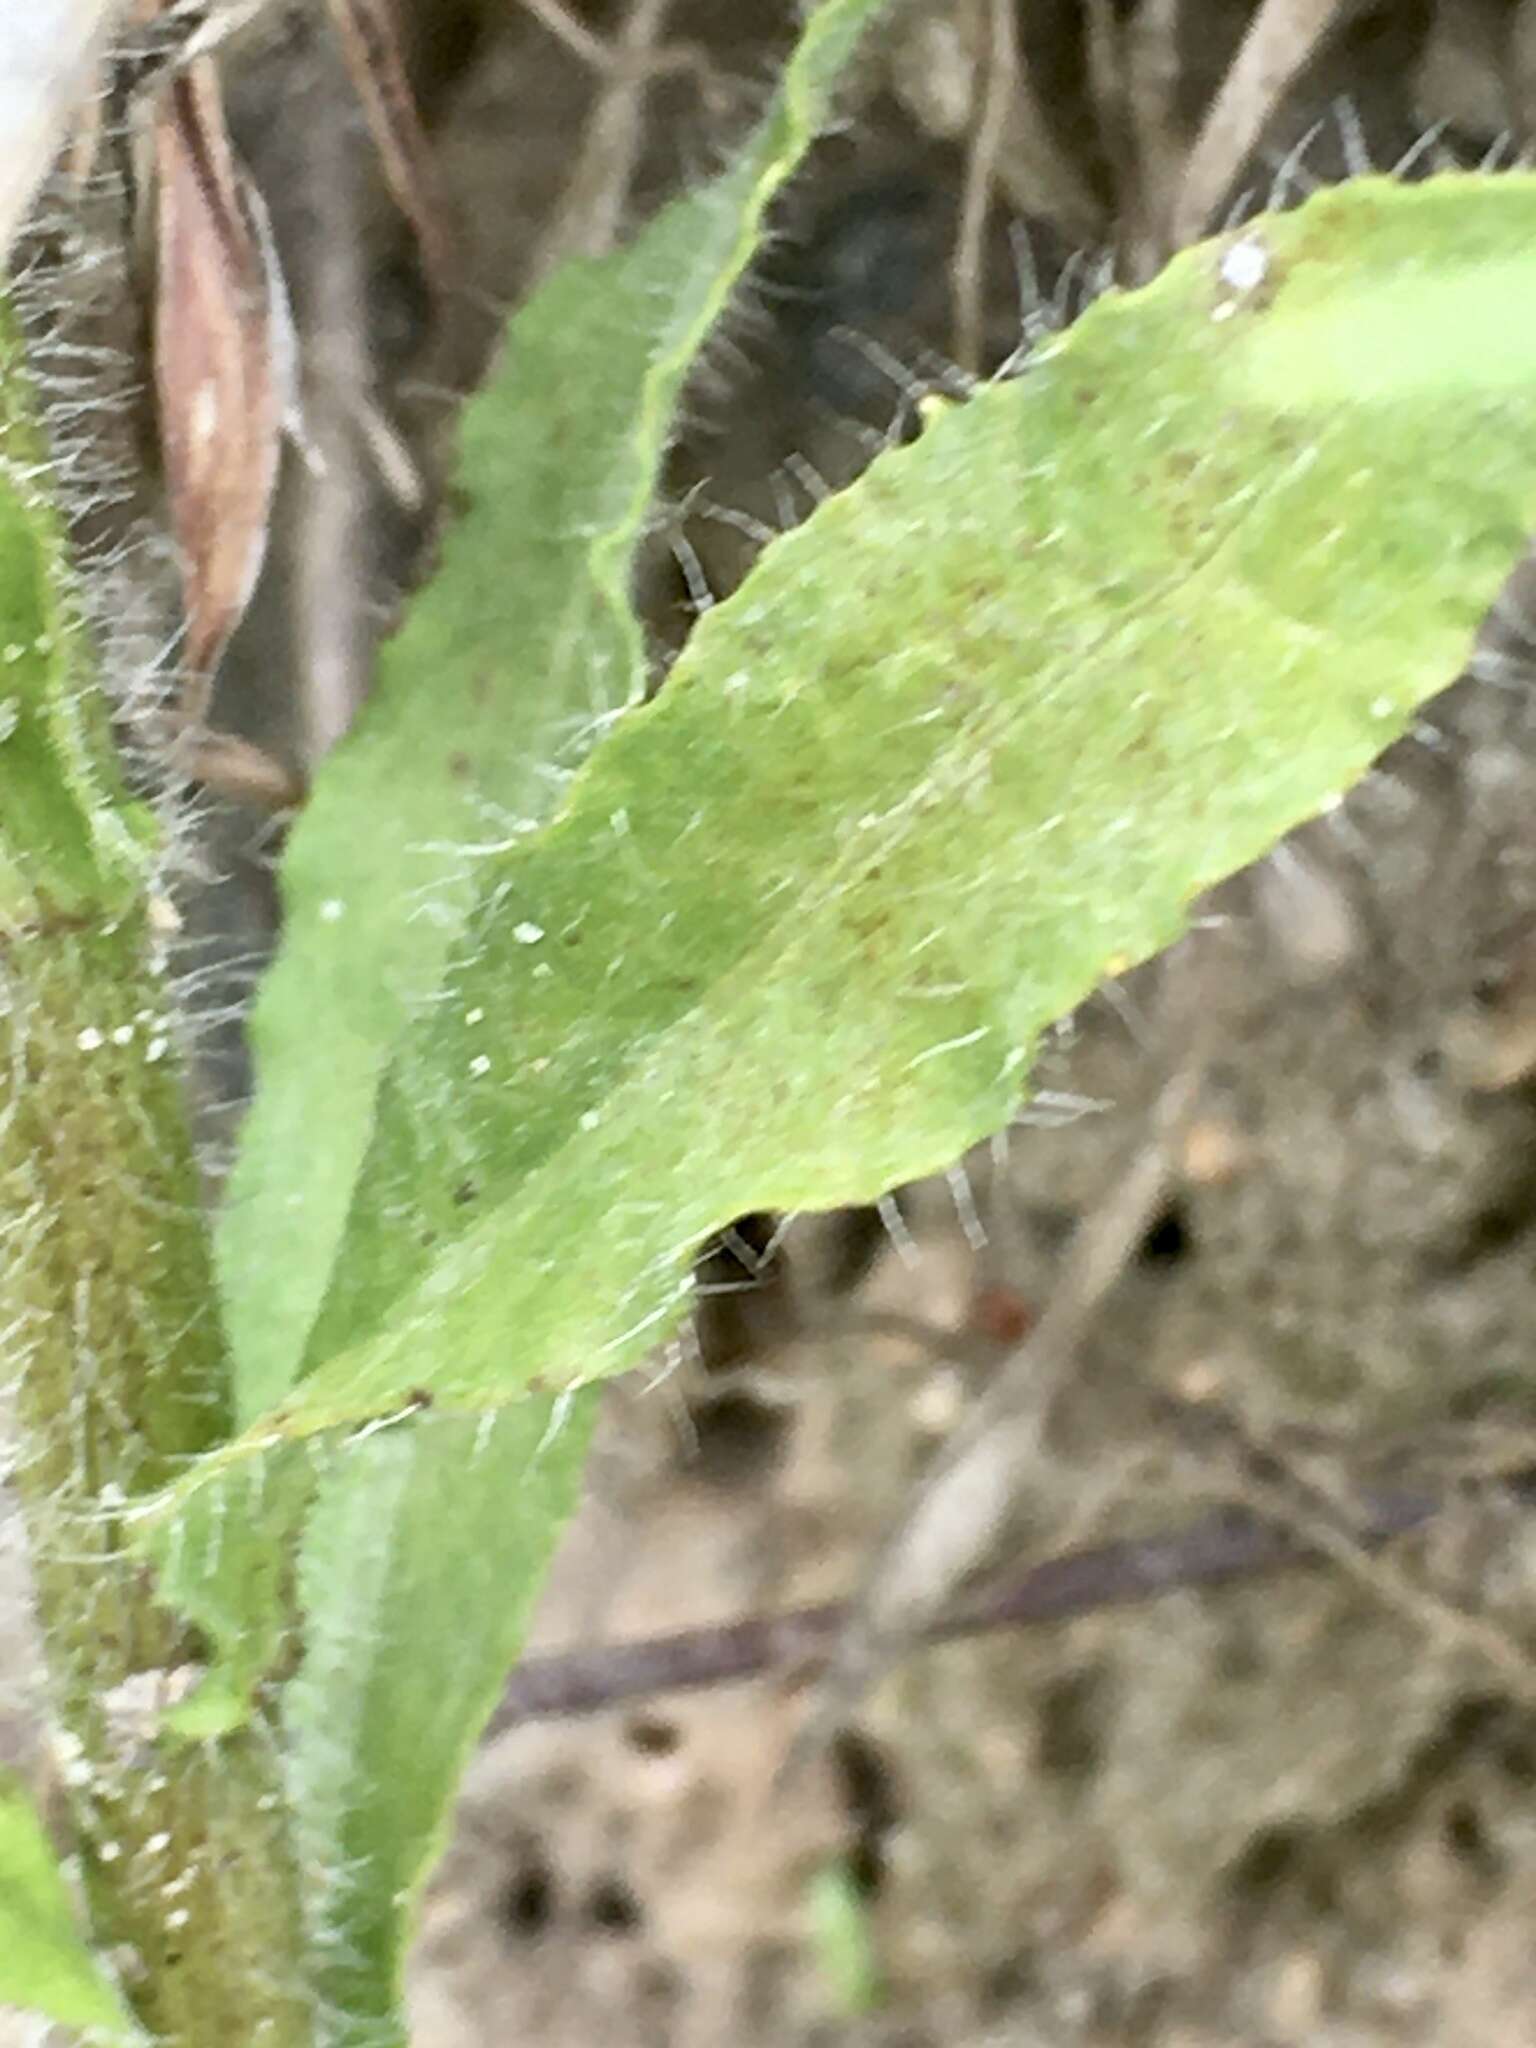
(527, 934)
(1245, 265)
(331, 910)
(479, 1064)
(90, 1039)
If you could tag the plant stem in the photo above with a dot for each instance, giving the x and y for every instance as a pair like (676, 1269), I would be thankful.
(110, 1346)
(106, 1300)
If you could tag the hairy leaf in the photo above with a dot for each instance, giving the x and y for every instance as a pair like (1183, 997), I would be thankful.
(507, 667)
(68, 845)
(973, 736)
(45, 1965)
(420, 1562)
(419, 1548)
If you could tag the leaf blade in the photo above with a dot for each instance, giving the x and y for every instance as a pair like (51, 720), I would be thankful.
(558, 459)
(45, 1964)
(584, 1105)
(417, 1570)
(69, 843)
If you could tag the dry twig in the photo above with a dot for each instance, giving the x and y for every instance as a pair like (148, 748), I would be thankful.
(1283, 35)
(611, 58)
(1332, 1519)
(327, 542)
(968, 267)
(597, 196)
(960, 1508)
(370, 43)
(1152, 72)
(1216, 1549)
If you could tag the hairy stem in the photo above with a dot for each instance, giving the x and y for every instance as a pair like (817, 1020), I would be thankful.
(109, 1340)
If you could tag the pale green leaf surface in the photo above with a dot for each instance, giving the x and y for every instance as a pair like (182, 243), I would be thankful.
(420, 1561)
(509, 663)
(45, 1965)
(223, 1558)
(975, 734)
(420, 1548)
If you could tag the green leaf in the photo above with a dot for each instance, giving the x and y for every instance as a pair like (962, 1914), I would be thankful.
(411, 1554)
(69, 845)
(45, 1965)
(224, 1560)
(972, 737)
(842, 1938)
(419, 1565)
(509, 664)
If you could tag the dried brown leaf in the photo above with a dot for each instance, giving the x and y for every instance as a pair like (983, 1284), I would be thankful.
(246, 774)
(218, 377)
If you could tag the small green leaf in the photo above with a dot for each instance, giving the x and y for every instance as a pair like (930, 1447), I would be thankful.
(840, 1934)
(395, 1571)
(972, 737)
(45, 1965)
(224, 1560)
(507, 668)
(419, 1565)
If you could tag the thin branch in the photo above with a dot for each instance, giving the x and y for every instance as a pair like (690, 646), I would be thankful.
(326, 544)
(370, 43)
(574, 33)
(968, 269)
(593, 205)
(1281, 38)
(1153, 70)
(609, 58)
(960, 1507)
(1310, 1496)
(1226, 1545)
